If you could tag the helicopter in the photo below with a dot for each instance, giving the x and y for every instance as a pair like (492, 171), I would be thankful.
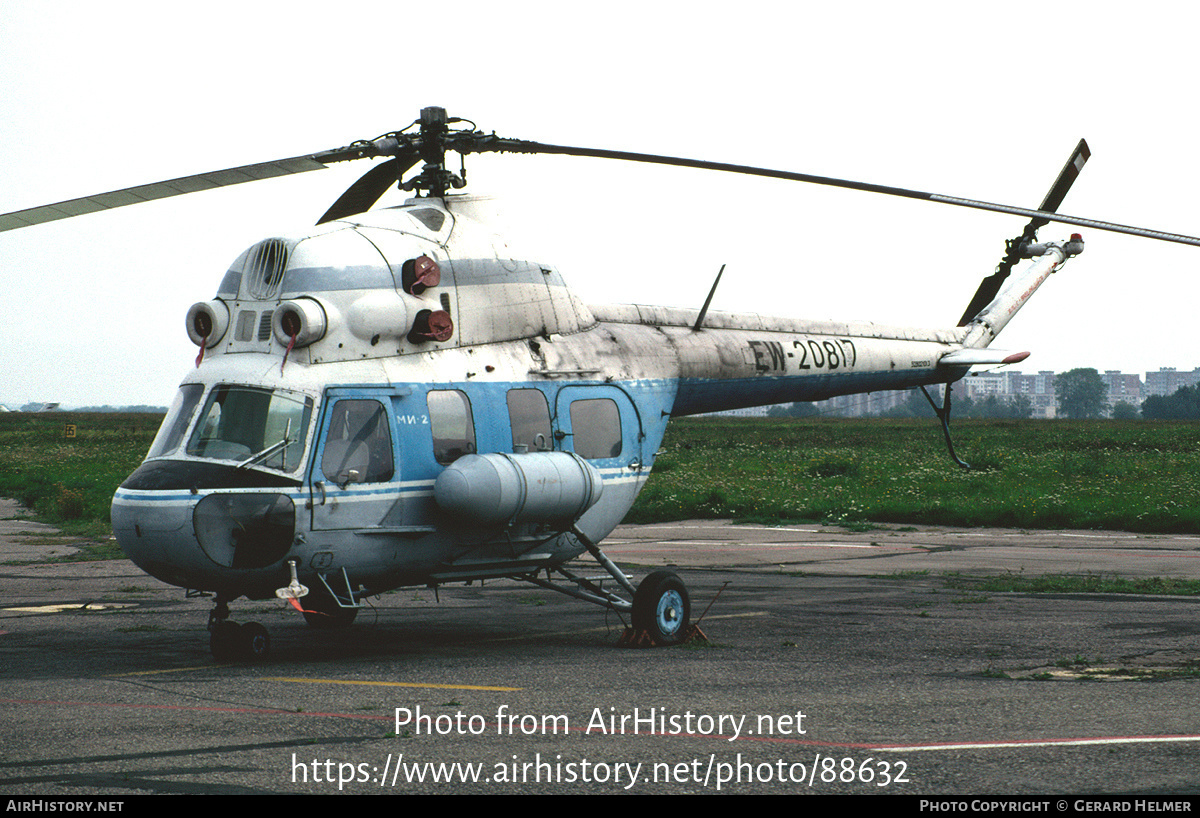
(393, 399)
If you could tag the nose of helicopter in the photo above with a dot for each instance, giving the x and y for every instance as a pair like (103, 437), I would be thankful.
(213, 541)
(154, 530)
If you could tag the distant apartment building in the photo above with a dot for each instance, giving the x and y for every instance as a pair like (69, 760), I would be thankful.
(1168, 380)
(1006, 385)
(1122, 388)
(863, 405)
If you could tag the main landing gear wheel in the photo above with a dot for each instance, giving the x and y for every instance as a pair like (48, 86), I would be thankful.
(231, 642)
(661, 608)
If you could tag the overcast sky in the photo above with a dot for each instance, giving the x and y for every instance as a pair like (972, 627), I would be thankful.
(984, 101)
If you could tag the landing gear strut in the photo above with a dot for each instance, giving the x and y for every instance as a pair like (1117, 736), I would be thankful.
(322, 611)
(660, 610)
(944, 416)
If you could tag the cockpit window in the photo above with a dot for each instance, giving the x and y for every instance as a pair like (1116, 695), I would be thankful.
(253, 427)
(358, 446)
(175, 424)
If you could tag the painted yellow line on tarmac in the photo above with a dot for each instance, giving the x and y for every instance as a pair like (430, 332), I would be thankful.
(164, 670)
(63, 607)
(388, 684)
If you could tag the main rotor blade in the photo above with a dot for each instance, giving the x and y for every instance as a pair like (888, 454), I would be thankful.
(364, 193)
(386, 145)
(520, 146)
(1012, 248)
(158, 190)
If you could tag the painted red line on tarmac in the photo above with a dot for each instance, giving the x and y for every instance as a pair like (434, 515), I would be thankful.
(1035, 742)
(743, 549)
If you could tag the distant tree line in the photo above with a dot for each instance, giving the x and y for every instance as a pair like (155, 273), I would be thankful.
(793, 410)
(140, 408)
(1183, 405)
(916, 406)
(1081, 394)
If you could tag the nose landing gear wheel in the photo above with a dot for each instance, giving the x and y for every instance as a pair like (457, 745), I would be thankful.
(231, 642)
(661, 608)
(256, 642)
(223, 639)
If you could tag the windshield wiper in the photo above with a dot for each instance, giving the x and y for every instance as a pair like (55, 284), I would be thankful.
(272, 449)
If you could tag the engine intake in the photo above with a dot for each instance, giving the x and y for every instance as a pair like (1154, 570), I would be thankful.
(207, 322)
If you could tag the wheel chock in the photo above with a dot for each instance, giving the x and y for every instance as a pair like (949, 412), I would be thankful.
(633, 638)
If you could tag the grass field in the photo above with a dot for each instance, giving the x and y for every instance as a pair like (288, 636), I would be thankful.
(1134, 476)
(70, 481)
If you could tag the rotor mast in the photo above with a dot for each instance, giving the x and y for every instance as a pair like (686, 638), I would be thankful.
(434, 178)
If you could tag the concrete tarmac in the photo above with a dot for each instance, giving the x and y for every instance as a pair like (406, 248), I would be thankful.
(837, 662)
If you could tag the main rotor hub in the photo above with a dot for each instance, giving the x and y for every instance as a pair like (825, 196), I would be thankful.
(431, 145)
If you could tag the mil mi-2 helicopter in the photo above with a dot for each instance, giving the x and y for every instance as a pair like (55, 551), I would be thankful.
(390, 399)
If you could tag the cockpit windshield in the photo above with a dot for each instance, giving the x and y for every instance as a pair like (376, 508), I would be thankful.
(178, 418)
(246, 425)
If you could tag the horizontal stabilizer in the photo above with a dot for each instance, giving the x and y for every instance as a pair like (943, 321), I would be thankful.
(977, 357)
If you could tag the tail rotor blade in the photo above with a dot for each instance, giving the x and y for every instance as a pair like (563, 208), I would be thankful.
(1066, 178)
(990, 286)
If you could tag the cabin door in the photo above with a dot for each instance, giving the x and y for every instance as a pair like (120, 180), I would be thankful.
(602, 425)
(354, 478)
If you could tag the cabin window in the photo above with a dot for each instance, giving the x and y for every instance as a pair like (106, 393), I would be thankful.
(452, 424)
(252, 426)
(529, 415)
(596, 428)
(182, 410)
(358, 445)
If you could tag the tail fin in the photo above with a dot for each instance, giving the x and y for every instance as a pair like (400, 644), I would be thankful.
(1014, 247)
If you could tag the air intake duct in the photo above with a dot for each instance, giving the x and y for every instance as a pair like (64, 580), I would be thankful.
(301, 318)
(207, 322)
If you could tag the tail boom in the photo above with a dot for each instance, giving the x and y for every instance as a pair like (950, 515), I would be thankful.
(984, 327)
